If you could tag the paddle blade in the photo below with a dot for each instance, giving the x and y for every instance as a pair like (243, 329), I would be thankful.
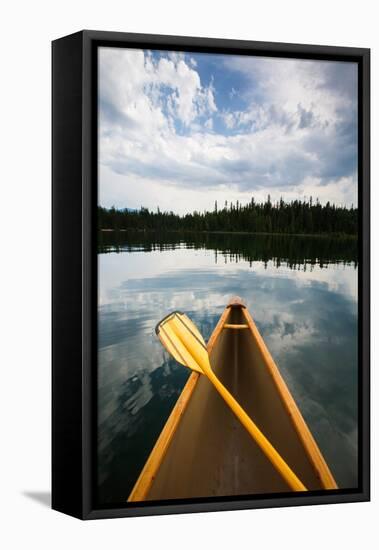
(169, 340)
(182, 339)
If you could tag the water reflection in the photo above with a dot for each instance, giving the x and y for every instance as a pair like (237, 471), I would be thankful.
(292, 251)
(308, 318)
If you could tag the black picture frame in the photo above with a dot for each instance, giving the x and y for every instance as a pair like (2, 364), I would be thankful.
(74, 269)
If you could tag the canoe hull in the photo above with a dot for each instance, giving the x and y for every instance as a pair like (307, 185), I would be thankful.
(207, 452)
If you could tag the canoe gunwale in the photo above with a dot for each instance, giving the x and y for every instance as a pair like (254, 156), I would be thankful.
(310, 446)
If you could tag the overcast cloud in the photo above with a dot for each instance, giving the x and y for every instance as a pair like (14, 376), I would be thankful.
(181, 131)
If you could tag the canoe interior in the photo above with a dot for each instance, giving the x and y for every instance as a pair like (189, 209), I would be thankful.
(211, 454)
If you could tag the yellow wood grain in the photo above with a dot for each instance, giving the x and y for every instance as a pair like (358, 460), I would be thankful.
(310, 445)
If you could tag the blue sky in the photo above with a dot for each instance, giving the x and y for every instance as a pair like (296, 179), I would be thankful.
(180, 131)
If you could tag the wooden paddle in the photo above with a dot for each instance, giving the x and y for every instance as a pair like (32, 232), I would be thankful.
(183, 341)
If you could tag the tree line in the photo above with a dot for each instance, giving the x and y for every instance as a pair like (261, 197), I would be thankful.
(295, 217)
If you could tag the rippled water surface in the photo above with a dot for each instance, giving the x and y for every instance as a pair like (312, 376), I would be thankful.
(302, 293)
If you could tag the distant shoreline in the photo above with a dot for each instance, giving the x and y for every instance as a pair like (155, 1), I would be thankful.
(313, 235)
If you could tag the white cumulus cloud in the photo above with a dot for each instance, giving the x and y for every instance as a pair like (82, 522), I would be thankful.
(162, 128)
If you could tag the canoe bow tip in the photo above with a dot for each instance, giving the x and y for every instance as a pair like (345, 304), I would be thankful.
(236, 301)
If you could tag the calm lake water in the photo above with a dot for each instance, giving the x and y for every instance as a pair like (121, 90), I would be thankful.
(302, 293)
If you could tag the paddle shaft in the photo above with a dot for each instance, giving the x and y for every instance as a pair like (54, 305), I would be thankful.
(272, 454)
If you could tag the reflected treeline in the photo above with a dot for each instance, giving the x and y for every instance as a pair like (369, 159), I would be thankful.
(290, 251)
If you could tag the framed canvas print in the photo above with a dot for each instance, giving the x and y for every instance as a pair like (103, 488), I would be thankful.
(210, 274)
